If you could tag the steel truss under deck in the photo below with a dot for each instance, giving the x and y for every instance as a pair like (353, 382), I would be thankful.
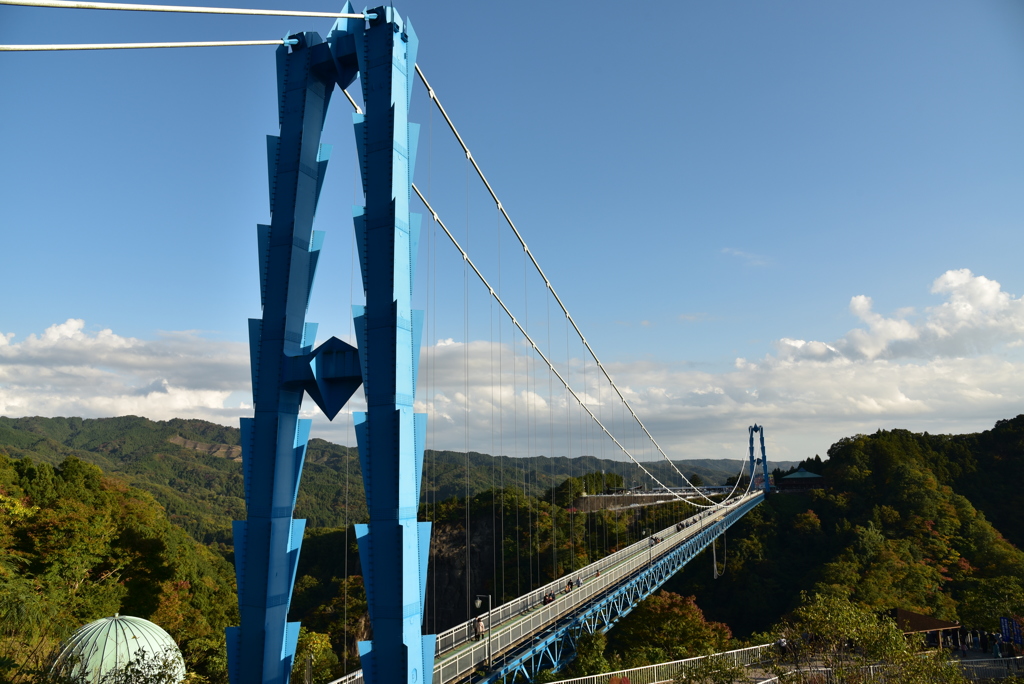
(554, 648)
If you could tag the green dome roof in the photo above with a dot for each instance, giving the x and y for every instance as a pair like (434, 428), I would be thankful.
(111, 643)
(801, 474)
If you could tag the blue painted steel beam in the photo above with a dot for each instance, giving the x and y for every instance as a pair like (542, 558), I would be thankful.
(394, 546)
(284, 366)
(556, 647)
(762, 461)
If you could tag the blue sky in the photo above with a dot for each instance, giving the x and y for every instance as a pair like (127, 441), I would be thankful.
(709, 186)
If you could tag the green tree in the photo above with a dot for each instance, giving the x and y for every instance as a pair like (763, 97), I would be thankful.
(77, 546)
(589, 658)
(314, 651)
(983, 601)
(714, 669)
(832, 632)
(666, 627)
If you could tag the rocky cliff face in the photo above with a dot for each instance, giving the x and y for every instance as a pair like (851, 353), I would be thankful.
(450, 593)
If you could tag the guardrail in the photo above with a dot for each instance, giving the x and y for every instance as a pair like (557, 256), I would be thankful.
(462, 633)
(666, 672)
(526, 624)
(996, 668)
(974, 670)
(520, 618)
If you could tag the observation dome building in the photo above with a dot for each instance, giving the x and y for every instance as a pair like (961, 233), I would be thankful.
(111, 643)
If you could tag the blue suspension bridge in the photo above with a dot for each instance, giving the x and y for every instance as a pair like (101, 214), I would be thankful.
(512, 641)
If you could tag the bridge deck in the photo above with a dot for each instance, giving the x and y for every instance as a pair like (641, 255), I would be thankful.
(514, 623)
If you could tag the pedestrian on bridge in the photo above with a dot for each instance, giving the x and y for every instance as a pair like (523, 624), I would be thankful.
(478, 629)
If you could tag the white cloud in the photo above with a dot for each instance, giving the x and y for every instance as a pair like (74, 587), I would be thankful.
(952, 368)
(944, 370)
(69, 371)
(976, 317)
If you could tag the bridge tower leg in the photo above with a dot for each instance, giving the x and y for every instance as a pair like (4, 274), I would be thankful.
(393, 547)
(284, 367)
(763, 460)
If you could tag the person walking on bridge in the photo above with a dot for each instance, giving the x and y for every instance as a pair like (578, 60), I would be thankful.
(478, 629)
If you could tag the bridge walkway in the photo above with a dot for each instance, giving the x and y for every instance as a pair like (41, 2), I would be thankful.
(516, 623)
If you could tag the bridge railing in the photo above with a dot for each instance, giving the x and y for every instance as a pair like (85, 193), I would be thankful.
(995, 668)
(464, 632)
(525, 625)
(974, 670)
(666, 672)
(517, 620)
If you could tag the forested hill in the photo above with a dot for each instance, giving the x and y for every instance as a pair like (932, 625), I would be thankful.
(76, 546)
(192, 467)
(987, 468)
(903, 524)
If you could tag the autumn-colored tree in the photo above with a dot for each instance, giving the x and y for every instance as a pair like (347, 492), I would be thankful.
(666, 627)
(77, 546)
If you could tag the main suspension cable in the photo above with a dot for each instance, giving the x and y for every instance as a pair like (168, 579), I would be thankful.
(130, 46)
(540, 353)
(540, 271)
(62, 4)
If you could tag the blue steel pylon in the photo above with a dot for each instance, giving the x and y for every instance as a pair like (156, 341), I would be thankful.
(763, 461)
(394, 547)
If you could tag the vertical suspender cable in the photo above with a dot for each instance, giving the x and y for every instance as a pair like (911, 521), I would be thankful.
(465, 356)
(501, 428)
(551, 455)
(519, 326)
(540, 271)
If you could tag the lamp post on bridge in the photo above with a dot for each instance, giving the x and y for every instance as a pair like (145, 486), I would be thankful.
(478, 603)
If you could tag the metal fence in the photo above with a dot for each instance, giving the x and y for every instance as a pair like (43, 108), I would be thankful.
(518, 619)
(996, 668)
(666, 672)
(974, 670)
